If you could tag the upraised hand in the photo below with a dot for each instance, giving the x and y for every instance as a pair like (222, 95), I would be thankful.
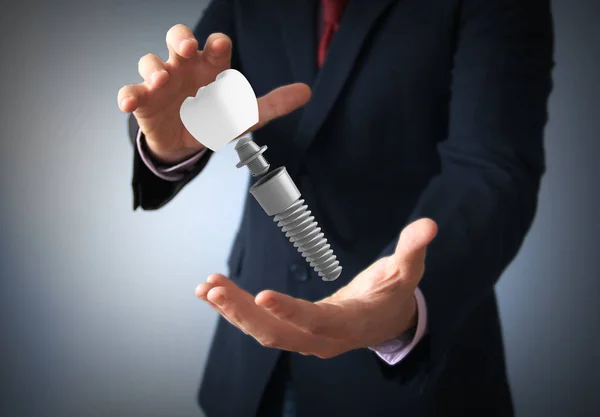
(156, 101)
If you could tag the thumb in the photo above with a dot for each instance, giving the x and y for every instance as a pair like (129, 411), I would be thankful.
(278, 103)
(412, 245)
(281, 101)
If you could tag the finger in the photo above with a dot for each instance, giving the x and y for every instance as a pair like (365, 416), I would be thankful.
(280, 102)
(315, 318)
(131, 97)
(215, 280)
(264, 327)
(411, 248)
(223, 281)
(152, 69)
(203, 289)
(217, 51)
(181, 43)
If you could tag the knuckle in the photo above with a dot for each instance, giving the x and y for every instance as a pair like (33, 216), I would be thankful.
(394, 269)
(316, 327)
(325, 355)
(282, 313)
(269, 341)
(228, 309)
(232, 314)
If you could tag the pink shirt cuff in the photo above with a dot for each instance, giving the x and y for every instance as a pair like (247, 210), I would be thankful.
(171, 173)
(393, 351)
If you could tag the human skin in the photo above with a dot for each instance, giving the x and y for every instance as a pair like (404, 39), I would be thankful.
(376, 306)
(155, 102)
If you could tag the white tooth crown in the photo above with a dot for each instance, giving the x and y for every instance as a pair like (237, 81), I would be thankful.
(220, 111)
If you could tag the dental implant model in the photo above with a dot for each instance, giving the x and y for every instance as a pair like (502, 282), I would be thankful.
(278, 196)
(222, 111)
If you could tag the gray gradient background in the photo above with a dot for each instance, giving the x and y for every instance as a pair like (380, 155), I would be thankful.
(97, 308)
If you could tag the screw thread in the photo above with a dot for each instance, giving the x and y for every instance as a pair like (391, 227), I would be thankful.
(304, 232)
(251, 156)
(258, 166)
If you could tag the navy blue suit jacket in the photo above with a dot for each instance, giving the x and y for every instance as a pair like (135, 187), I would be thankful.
(423, 108)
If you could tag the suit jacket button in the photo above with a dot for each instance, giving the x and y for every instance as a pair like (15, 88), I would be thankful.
(298, 272)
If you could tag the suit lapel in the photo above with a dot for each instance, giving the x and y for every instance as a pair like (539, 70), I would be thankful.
(358, 20)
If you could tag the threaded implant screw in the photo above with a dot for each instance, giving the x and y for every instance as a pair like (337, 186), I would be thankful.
(279, 197)
(304, 232)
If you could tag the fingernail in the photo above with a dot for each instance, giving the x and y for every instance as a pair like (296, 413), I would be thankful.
(216, 43)
(183, 43)
(270, 303)
(155, 76)
(123, 101)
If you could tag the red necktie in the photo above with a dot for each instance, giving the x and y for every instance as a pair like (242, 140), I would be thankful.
(332, 13)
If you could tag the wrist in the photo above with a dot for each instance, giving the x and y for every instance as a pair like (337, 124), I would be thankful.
(414, 319)
(169, 156)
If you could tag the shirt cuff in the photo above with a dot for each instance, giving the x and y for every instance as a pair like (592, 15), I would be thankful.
(171, 173)
(394, 350)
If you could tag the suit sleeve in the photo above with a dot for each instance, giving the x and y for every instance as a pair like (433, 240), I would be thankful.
(149, 191)
(485, 196)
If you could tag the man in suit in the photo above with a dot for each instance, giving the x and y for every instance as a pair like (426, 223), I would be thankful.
(384, 112)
